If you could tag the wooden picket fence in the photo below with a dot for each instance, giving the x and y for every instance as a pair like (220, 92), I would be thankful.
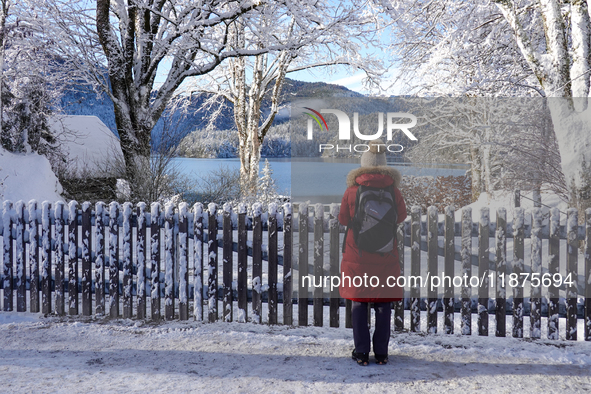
(67, 259)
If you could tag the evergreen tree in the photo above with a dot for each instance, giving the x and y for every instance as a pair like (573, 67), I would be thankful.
(267, 190)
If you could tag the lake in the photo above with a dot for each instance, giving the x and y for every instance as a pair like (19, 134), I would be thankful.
(312, 178)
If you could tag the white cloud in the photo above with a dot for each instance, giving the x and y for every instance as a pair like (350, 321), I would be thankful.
(350, 82)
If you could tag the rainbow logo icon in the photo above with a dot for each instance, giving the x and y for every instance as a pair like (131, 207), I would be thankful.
(315, 116)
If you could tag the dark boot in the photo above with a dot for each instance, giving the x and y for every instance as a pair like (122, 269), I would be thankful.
(361, 358)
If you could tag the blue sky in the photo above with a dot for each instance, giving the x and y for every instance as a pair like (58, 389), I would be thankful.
(338, 75)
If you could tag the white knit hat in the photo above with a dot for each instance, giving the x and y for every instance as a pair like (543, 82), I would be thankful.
(376, 155)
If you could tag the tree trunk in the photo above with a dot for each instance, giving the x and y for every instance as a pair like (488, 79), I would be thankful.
(559, 83)
(250, 156)
(135, 144)
(255, 158)
(133, 115)
(247, 99)
(582, 51)
(249, 165)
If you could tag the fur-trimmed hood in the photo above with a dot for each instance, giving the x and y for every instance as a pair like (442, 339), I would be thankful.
(383, 170)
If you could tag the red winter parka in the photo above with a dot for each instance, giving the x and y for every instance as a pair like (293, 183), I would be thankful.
(361, 267)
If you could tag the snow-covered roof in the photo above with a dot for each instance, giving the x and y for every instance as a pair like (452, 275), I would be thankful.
(91, 147)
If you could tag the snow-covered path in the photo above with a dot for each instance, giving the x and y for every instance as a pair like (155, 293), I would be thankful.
(63, 355)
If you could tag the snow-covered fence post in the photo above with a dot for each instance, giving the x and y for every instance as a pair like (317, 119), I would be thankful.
(287, 264)
(99, 261)
(86, 263)
(303, 265)
(466, 254)
(348, 321)
(46, 256)
(483, 270)
(212, 269)
(572, 255)
(114, 259)
(8, 253)
(432, 268)
(183, 261)
(141, 260)
(21, 278)
(72, 258)
(335, 251)
(127, 262)
(535, 314)
(169, 259)
(501, 264)
(59, 258)
(588, 274)
(7, 257)
(242, 265)
(257, 263)
(155, 259)
(518, 268)
(448, 252)
(318, 263)
(554, 269)
(398, 305)
(227, 263)
(273, 259)
(415, 269)
(34, 256)
(198, 261)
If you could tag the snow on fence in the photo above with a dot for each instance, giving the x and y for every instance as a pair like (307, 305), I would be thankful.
(131, 257)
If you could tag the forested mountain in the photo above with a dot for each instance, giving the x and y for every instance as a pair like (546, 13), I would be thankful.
(81, 101)
(189, 123)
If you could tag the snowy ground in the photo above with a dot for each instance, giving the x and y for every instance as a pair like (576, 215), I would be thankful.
(26, 177)
(73, 355)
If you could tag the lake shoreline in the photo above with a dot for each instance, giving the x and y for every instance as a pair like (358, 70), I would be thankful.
(316, 179)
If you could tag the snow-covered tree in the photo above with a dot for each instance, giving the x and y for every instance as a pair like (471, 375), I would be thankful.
(506, 47)
(267, 190)
(32, 79)
(454, 47)
(4, 8)
(254, 85)
(506, 141)
(531, 160)
(172, 39)
(562, 67)
(25, 119)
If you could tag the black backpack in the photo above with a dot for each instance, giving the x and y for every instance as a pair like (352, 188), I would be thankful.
(374, 221)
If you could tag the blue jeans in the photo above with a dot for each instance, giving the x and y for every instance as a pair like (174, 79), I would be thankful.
(381, 335)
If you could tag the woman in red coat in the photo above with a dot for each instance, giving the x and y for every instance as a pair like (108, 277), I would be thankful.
(369, 272)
